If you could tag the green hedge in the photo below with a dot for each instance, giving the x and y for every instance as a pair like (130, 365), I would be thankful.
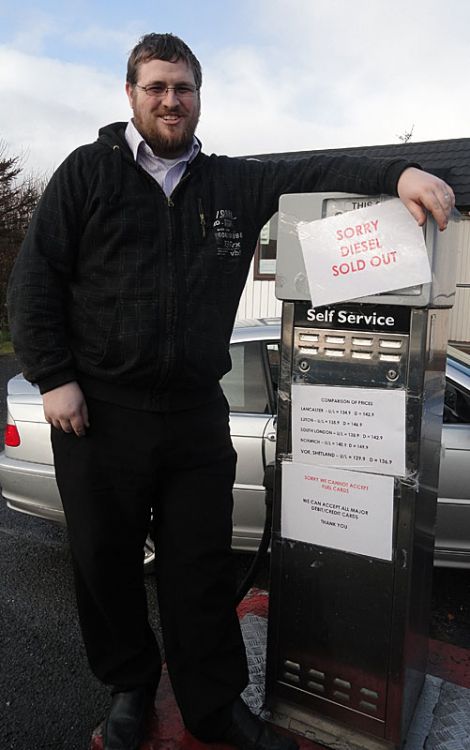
(6, 347)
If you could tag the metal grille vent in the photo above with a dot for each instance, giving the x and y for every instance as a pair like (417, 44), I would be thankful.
(337, 688)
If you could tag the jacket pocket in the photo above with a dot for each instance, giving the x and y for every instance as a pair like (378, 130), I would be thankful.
(121, 339)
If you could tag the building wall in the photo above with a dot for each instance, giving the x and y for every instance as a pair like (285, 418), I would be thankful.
(258, 300)
(460, 316)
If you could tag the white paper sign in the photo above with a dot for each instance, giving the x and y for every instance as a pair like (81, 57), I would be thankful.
(356, 428)
(358, 253)
(342, 510)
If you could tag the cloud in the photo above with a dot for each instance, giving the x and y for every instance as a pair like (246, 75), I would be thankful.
(319, 76)
(50, 107)
(339, 74)
(33, 27)
(96, 36)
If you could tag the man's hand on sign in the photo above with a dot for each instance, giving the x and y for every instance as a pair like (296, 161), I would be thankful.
(420, 190)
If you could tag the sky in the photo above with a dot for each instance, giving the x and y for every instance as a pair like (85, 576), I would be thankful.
(278, 75)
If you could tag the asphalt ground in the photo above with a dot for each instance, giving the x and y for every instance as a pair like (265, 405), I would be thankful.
(48, 698)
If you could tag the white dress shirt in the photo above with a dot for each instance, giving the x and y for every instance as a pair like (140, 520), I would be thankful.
(167, 172)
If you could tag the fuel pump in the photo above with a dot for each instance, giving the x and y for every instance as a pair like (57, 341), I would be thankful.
(359, 426)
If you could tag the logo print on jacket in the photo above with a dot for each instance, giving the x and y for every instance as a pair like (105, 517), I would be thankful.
(227, 237)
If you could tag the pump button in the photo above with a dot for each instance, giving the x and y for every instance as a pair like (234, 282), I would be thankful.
(316, 674)
(361, 355)
(294, 678)
(335, 339)
(391, 343)
(292, 665)
(390, 357)
(361, 342)
(341, 696)
(370, 707)
(313, 337)
(334, 352)
(316, 687)
(369, 693)
(309, 350)
(342, 683)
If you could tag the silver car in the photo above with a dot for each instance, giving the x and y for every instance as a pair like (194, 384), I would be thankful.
(27, 471)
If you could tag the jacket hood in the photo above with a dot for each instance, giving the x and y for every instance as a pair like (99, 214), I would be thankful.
(113, 135)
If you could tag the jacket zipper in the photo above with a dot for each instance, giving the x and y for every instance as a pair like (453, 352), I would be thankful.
(202, 218)
(169, 362)
(169, 346)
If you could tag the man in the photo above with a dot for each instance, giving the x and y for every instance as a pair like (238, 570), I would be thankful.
(122, 303)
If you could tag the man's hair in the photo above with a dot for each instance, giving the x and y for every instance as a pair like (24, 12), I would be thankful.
(162, 47)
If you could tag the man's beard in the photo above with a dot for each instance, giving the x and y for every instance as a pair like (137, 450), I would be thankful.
(162, 145)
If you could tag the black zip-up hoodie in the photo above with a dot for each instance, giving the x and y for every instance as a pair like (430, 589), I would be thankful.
(134, 294)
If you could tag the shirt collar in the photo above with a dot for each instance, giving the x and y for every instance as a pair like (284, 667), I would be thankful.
(136, 142)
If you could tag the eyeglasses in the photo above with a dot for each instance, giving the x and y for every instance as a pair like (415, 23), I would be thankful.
(159, 90)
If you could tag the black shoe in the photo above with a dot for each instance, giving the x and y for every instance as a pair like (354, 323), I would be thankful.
(248, 732)
(126, 723)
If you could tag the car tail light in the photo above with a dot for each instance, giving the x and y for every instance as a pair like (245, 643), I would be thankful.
(12, 436)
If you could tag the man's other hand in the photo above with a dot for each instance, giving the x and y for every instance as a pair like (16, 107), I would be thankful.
(65, 408)
(420, 190)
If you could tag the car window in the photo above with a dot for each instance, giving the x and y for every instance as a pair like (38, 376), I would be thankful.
(456, 404)
(245, 385)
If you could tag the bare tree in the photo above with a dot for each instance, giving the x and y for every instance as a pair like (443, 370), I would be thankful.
(18, 198)
(407, 135)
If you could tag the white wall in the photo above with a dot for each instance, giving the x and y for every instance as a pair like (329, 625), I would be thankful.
(460, 316)
(258, 300)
